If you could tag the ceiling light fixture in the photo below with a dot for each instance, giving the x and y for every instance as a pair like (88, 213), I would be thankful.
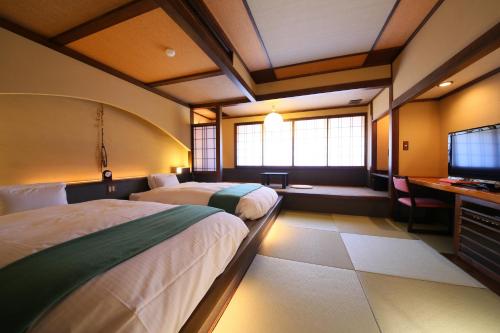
(445, 84)
(170, 52)
(273, 119)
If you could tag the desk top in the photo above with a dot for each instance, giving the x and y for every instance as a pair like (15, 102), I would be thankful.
(436, 184)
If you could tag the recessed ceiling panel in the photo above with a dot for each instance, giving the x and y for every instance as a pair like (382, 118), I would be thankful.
(404, 21)
(137, 47)
(203, 91)
(50, 18)
(482, 66)
(233, 18)
(322, 66)
(296, 31)
(309, 102)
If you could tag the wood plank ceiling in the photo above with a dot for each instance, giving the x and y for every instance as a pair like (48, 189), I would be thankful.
(276, 40)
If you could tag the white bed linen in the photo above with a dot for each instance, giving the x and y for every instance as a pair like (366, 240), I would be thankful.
(155, 291)
(252, 206)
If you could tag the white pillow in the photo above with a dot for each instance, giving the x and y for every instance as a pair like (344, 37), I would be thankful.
(162, 180)
(17, 198)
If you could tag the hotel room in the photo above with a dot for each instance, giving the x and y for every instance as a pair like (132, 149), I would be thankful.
(250, 166)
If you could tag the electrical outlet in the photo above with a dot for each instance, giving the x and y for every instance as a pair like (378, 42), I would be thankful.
(406, 145)
(111, 188)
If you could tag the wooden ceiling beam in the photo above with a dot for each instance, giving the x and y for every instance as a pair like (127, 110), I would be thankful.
(186, 78)
(227, 102)
(118, 15)
(376, 83)
(197, 27)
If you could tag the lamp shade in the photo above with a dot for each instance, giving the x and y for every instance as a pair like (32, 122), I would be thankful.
(273, 119)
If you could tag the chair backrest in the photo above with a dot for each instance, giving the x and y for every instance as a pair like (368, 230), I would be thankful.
(401, 184)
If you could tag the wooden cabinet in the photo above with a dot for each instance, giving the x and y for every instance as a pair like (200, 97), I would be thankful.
(477, 236)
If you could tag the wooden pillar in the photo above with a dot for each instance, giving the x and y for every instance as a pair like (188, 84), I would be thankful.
(191, 152)
(218, 143)
(393, 151)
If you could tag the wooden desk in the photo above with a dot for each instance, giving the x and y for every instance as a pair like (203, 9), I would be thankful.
(436, 184)
(477, 225)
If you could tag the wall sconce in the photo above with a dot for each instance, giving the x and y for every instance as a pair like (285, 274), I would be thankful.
(179, 170)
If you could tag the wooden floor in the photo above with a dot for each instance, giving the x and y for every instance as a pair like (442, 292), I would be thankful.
(336, 199)
(335, 190)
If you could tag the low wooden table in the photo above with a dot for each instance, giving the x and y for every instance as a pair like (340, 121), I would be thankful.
(266, 178)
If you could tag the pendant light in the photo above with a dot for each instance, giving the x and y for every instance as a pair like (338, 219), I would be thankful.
(273, 119)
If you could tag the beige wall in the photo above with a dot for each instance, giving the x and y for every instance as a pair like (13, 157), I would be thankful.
(30, 68)
(476, 106)
(383, 143)
(381, 103)
(451, 28)
(228, 127)
(47, 138)
(419, 124)
(426, 126)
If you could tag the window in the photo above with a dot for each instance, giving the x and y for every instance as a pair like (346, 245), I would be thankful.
(204, 148)
(346, 141)
(278, 145)
(310, 142)
(319, 142)
(249, 145)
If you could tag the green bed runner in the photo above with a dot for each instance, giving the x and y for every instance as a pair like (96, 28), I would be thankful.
(32, 285)
(229, 198)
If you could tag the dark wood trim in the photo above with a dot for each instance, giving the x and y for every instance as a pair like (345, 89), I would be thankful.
(227, 102)
(186, 78)
(185, 14)
(191, 152)
(480, 47)
(249, 12)
(34, 37)
(382, 57)
(377, 83)
(468, 84)
(210, 309)
(268, 75)
(118, 15)
(374, 147)
(420, 26)
(218, 143)
(389, 17)
(303, 110)
(264, 75)
(424, 100)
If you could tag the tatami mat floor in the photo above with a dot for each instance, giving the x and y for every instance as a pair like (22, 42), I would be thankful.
(339, 273)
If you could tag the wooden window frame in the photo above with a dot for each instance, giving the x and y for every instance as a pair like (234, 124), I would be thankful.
(364, 114)
(193, 126)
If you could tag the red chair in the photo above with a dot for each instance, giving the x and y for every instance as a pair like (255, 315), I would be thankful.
(402, 186)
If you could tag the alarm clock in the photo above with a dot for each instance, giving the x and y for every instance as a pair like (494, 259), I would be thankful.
(107, 175)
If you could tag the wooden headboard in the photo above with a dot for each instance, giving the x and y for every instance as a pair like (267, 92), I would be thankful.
(81, 192)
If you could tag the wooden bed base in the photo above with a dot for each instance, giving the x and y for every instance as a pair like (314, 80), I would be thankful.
(210, 309)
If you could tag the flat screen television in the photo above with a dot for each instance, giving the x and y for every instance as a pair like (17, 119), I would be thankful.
(475, 153)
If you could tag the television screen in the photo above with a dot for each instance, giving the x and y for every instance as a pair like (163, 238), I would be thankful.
(475, 153)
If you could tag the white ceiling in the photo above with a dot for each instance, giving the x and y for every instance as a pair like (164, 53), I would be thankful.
(308, 102)
(484, 65)
(296, 31)
(210, 89)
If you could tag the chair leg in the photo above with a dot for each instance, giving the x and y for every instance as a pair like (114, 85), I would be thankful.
(411, 220)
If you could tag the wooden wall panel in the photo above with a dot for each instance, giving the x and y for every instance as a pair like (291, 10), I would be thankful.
(137, 47)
